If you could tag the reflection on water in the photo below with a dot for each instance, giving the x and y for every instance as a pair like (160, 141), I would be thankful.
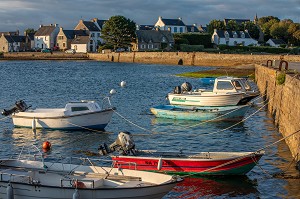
(211, 187)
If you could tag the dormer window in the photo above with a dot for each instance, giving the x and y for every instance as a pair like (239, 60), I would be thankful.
(163, 39)
(235, 35)
(242, 35)
(226, 35)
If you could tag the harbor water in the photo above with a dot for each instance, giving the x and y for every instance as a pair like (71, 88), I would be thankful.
(46, 84)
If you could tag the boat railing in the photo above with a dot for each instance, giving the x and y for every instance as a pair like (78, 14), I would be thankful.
(120, 163)
(11, 177)
(106, 103)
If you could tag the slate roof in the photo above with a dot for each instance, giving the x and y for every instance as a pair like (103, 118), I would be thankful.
(238, 21)
(81, 40)
(15, 38)
(154, 36)
(278, 41)
(146, 27)
(221, 34)
(173, 22)
(70, 34)
(192, 28)
(44, 30)
(91, 26)
(101, 23)
(10, 33)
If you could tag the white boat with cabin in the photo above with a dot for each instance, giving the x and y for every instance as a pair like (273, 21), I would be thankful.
(76, 115)
(227, 91)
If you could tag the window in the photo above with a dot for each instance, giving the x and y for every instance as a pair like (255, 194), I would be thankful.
(64, 44)
(143, 46)
(235, 43)
(243, 35)
(60, 37)
(181, 29)
(75, 47)
(150, 46)
(235, 35)
(224, 85)
(91, 42)
(237, 85)
(169, 29)
(45, 38)
(163, 39)
(226, 35)
(175, 29)
(93, 35)
(98, 34)
(79, 108)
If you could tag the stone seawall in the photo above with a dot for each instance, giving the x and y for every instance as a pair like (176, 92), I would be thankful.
(189, 59)
(43, 56)
(283, 103)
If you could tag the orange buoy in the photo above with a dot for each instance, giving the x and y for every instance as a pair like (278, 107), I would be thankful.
(46, 145)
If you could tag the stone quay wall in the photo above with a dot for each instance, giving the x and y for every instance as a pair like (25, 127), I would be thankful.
(283, 103)
(189, 59)
(43, 56)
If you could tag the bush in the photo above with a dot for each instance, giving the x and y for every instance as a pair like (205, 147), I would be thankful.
(191, 48)
(193, 39)
(280, 78)
(241, 49)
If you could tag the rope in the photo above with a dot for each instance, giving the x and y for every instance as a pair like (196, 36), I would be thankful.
(85, 127)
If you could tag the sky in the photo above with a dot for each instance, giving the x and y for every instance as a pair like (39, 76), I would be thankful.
(23, 14)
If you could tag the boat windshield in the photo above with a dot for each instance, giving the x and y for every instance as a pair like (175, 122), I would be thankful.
(79, 108)
(237, 85)
(246, 84)
(224, 85)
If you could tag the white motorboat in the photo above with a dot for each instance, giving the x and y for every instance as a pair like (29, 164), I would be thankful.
(76, 115)
(227, 91)
(29, 179)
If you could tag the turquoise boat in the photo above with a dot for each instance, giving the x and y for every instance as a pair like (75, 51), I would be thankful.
(203, 113)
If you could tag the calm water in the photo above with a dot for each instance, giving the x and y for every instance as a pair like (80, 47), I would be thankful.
(54, 83)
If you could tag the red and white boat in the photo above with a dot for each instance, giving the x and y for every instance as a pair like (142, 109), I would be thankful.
(182, 163)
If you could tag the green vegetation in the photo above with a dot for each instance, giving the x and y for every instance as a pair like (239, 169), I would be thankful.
(220, 72)
(280, 78)
(118, 32)
(254, 49)
(191, 48)
(193, 40)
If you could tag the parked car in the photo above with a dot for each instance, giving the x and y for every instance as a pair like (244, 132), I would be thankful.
(35, 50)
(70, 51)
(55, 48)
(47, 50)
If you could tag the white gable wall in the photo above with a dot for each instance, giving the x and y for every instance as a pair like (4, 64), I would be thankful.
(80, 48)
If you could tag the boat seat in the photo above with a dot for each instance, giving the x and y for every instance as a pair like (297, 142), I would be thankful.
(132, 184)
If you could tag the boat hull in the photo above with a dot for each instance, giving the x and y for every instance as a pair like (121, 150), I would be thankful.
(236, 165)
(211, 99)
(200, 113)
(91, 120)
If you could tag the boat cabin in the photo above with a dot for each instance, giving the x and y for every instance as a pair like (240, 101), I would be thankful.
(86, 106)
(231, 84)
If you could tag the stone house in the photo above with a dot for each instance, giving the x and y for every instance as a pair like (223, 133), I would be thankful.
(275, 42)
(172, 25)
(65, 38)
(151, 40)
(80, 44)
(192, 28)
(12, 43)
(232, 38)
(93, 29)
(45, 37)
(29, 37)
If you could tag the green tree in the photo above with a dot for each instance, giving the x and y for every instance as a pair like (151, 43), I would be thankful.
(252, 29)
(294, 27)
(266, 28)
(296, 35)
(30, 30)
(215, 24)
(119, 32)
(263, 20)
(232, 25)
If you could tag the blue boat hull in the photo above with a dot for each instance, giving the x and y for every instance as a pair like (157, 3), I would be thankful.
(200, 113)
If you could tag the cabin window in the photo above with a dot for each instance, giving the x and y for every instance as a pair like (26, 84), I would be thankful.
(237, 85)
(247, 86)
(79, 108)
(224, 85)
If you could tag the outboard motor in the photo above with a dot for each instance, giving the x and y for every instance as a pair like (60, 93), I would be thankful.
(177, 90)
(124, 144)
(186, 87)
(20, 106)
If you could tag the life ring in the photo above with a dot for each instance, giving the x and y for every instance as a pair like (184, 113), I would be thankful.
(286, 65)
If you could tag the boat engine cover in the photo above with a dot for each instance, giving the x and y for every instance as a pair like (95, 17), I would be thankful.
(186, 87)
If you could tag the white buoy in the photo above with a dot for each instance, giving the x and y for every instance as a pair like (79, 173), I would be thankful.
(159, 164)
(123, 84)
(112, 91)
(75, 194)
(9, 191)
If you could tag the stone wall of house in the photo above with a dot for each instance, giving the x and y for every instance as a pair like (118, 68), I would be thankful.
(283, 103)
(189, 59)
(3, 44)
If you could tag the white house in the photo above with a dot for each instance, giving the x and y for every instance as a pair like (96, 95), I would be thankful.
(172, 25)
(275, 42)
(80, 44)
(93, 28)
(232, 38)
(45, 37)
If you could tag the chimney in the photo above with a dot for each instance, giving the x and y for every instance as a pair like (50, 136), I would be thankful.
(56, 25)
(137, 27)
(195, 24)
(61, 29)
(95, 19)
(180, 18)
(41, 25)
(81, 21)
(159, 18)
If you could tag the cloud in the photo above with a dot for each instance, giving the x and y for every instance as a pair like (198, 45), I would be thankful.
(23, 14)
